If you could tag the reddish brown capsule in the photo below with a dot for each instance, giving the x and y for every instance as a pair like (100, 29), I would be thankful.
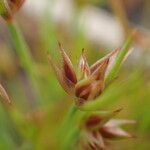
(90, 81)
(10, 7)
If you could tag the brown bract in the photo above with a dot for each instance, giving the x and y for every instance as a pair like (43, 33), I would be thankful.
(11, 7)
(98, 129)
(4, 95)
(89, 83)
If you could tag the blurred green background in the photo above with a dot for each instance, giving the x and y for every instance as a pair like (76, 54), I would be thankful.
(34, 118)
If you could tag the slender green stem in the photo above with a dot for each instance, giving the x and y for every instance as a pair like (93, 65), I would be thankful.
(68, 121)
(11, 126)
(69, 139)
(116, 67)
(24, 54)
(21, 48)
(71, 128)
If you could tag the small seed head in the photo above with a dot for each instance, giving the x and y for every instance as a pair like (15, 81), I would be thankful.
(9, 8)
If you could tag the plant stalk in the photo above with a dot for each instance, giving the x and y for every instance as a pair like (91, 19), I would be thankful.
(24, 54)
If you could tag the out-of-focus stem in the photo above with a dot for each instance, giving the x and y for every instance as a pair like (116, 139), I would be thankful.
(70, 138)
(68, 120)
(21, 49)
(16, 136)
(11, 126)
(70, 128)
(24, 54)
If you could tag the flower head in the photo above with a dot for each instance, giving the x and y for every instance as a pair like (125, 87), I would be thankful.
(9, 8)
(90, 82)
(98, 129)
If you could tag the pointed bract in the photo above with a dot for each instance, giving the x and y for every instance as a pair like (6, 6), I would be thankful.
(4, 95)
(100, 61)
(93, 141)
(114, 133)
(68, 70)
(97, 119)
(84, 69)
(120, 122)
(112, 129)
(112, 57)
(99, 72)
(64, 82)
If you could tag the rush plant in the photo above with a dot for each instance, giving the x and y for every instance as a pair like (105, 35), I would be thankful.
(86, 89)
(87, 123)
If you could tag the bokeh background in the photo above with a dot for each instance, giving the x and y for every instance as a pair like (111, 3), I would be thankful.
(99, 26)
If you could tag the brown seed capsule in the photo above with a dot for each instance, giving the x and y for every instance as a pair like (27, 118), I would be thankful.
(91, 81)
(98, 128)
(10, 7)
